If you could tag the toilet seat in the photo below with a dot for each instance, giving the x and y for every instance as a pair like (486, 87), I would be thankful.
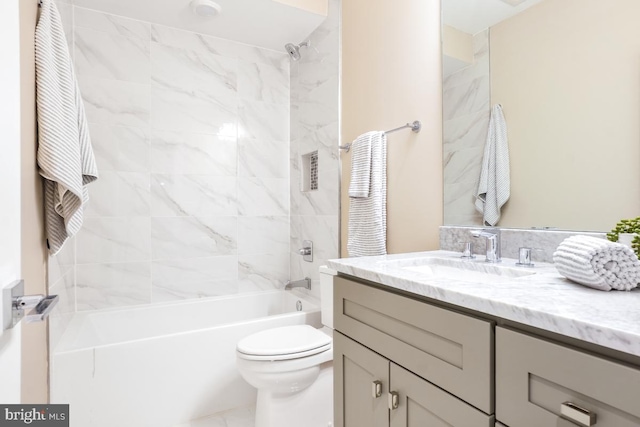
(285, 343)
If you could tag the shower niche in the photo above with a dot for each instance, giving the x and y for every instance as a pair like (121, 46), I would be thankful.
(309, 171)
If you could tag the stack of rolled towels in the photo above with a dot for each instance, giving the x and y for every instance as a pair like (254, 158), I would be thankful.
(598, 263)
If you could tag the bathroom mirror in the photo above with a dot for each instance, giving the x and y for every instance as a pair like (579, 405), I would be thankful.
(567, 74)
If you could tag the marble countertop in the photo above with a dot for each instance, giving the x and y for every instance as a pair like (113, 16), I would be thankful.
(543, 300)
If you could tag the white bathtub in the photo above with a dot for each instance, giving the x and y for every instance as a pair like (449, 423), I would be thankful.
(164, 364)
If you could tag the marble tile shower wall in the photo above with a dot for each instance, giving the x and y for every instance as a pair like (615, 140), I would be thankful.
(191, 135)
(466, 102)
(315, 126)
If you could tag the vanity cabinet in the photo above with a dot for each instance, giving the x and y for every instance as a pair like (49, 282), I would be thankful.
(446, 368)
(371, 391)
(440, 363)
(536, 380)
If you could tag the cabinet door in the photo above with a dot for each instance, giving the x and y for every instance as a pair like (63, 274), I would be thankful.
(451, 350)
(357, 373)
(421, 404)
(543, 384)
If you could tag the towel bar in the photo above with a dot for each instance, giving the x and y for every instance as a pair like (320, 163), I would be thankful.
(415, 127)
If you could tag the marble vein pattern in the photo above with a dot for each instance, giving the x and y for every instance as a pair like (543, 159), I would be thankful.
(544, 242)
(466, 103)
(315, 127)
(112, 285)
(543, 300)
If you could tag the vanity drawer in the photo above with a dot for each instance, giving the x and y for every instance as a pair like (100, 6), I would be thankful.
(449, 349)
(534, 378)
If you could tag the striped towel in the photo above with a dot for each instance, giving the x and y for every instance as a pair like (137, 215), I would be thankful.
(494, 187)
(368, 211)
(65, 156)
(597, 263)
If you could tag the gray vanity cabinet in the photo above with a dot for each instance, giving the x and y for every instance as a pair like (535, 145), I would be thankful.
(371, 391)
(439, 364)
(361, 385)
(538, 380)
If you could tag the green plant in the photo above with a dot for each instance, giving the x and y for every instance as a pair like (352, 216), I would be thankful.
(627, 226)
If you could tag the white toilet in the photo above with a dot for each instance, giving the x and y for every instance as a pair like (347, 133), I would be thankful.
(292, 368)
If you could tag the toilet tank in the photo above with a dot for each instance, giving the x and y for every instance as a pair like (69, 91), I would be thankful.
(326, 295)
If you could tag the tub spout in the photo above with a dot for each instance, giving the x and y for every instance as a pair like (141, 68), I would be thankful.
(304, 283)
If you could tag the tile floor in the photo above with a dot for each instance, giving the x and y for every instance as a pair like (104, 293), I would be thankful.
(243, 417)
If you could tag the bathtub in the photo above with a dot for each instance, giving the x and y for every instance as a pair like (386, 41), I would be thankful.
(165, 364)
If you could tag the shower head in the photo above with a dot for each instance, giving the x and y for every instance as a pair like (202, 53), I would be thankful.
(294, 50)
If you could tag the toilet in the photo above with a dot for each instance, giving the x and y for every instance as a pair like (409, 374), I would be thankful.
(292, 368)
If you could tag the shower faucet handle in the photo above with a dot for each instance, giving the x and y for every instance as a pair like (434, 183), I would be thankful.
(307, 250)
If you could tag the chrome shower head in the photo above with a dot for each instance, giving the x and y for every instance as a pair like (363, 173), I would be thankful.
(294, 50)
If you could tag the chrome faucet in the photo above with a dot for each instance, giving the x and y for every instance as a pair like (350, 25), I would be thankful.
(304, 283)
(493, 242)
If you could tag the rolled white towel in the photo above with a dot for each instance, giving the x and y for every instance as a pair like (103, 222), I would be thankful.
(597, 263)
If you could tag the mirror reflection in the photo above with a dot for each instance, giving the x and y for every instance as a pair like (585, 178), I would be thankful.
(567, 74)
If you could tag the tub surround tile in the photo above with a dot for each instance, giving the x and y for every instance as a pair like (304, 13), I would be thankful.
(263, 158)
(262, 235)
(174, 109)
(120, 148)
(263, 196)
(204, 75)
(184, 291)
(174, 273)
(322, 231)
(115, 102)
(191, 137)
(193, 195)
(193, 237)
(193, 153)
(109, 240)
(124, 194)
(260, 120)
(262, 271)
(262, 82)
(112, 285)
(111, 24)
(103, 55)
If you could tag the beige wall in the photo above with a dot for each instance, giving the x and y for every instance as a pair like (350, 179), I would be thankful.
(321, 7)
(568, 76)
(34, 335)
(457, 44)
(391, 75)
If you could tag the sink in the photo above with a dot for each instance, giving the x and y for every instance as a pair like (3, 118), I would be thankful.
(461, 269)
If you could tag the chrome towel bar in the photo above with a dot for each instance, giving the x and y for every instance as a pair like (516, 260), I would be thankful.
(415, 127)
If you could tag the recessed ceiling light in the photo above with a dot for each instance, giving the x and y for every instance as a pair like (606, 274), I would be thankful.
(206, 8)
(513, 2)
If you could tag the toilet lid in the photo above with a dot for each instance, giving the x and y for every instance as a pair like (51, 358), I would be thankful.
(286, 342)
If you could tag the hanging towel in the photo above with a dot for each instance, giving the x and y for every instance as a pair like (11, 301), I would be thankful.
(65, 157)
(368, 208)
(597, 263)
(494, 187)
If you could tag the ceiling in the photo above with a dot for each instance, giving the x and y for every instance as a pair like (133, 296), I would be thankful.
(265, 23)
(473, 16)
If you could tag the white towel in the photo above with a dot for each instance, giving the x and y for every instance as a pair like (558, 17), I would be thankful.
(597, 263)
(65, 156)
(368, 211)
(494, 187)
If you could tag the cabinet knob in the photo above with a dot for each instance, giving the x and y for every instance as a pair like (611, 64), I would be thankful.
(581, 416)
(376, 389)
(394, 400)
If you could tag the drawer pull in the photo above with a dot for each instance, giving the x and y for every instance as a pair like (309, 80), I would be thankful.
(394, 400)
(376, 389)
(573, 412)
